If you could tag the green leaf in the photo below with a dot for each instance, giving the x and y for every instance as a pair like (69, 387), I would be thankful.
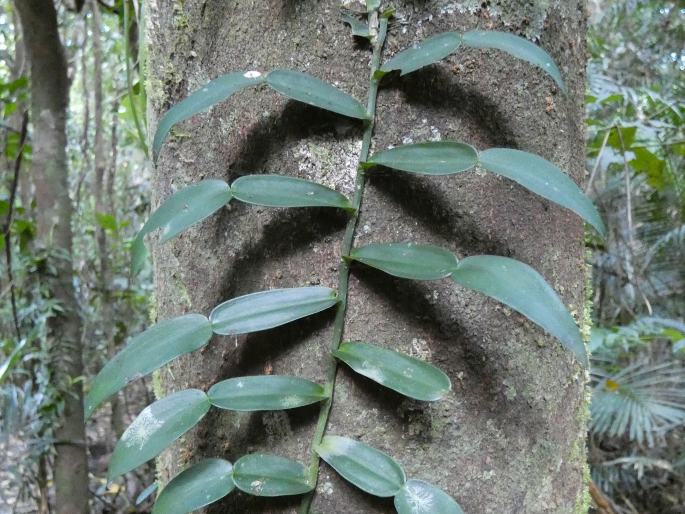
(359, 28)
(543, 178)
(523, 289)
(214, 92)
(624, 140)
(372, 5)
(187, 206)
(147, 352)
(260, 474)
(156, 427)
(417, 497)
(432, 158)
(201, 484)
(426, 52)
(106, 221)
(281, 191)
(138, 254)
(516, 46)
(145, 493)
(269, 309)
(312, 91)
(407, 260)
(369, 469)
(266, 392)
(408, 376)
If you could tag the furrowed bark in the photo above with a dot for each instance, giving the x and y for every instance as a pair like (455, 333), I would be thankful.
(510, 438)
(49, 101)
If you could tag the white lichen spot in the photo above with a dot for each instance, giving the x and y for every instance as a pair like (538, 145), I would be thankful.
(257, 486)
(252, 74)
(372, 372)
(419, 500)
(141, 429)
(327, 488)
(290, 401)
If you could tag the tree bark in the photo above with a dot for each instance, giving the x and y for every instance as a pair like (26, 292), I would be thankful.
(510, 437)
(49, 101)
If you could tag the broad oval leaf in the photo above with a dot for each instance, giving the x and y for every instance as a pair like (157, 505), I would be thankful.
(523, 289)
(280, 191)
(213, 92)
(261, 474)
(518, 47)
(431, 158)
(266, 392)
(543, 178)
(269, 309)
(428, 51)
(187, 206)
(407, 260)
(369, 469)
(316, 92)
(201, 484)
(147, 352)
(419, 497)
(156, 427)
(408, 376)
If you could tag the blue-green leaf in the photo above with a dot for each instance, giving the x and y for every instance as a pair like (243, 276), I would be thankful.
(265, 392)
(282, 191)
(431, 158)
(428, 51)
(516, 46)
(146, 493)
(544, 178)
(369, 469)
(359, 28)
(408, 376)
(313, 91)
(523, 289)
(419, 497)
(214, 92)
(138, 254)
(269, 309)
(156, 427)
(201, 484)
(407, 260)
(260, 474)
(147, 352)
(187, 206)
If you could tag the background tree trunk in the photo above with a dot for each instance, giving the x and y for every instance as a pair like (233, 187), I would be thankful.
(49, 100)
(510, 438)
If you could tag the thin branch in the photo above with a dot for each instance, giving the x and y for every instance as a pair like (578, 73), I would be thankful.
(8, 221)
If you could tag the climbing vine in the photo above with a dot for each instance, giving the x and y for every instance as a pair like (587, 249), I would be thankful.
(506, 280)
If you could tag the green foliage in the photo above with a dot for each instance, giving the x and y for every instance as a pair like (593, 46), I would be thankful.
(369, 469)
(270, 475)
(410, 377)
(509, 281)
(269, 309)
(201, 484)
(419, 496)
(267, 392)
(156, 427)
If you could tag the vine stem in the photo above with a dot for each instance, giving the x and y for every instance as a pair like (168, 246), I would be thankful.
(344, 269)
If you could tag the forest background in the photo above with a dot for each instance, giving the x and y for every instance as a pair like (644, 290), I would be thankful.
(635, 174)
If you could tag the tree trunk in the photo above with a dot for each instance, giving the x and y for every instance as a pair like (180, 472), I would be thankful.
(510, 437)
(49, 101)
